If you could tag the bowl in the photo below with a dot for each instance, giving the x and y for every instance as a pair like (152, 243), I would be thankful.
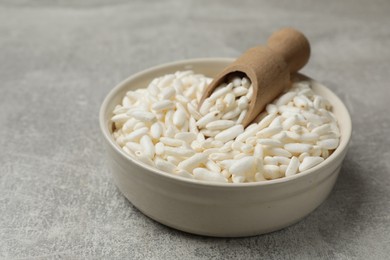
(213, 209)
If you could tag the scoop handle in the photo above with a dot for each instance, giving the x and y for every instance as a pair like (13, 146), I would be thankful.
(292, 45)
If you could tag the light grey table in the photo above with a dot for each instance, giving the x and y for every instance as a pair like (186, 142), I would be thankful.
(58, 60)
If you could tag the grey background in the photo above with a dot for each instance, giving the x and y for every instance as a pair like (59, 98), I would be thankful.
(58, 60)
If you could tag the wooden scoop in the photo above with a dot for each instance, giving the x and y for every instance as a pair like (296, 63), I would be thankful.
(268, 67)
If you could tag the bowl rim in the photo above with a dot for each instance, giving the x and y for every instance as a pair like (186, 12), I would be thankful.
(108, 137)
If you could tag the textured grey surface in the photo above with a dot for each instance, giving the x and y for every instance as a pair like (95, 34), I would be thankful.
(58, 59)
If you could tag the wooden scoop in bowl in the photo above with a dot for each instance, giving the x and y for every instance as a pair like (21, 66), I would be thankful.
(268, 68)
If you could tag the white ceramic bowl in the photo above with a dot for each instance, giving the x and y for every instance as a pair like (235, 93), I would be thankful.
(212, 209)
